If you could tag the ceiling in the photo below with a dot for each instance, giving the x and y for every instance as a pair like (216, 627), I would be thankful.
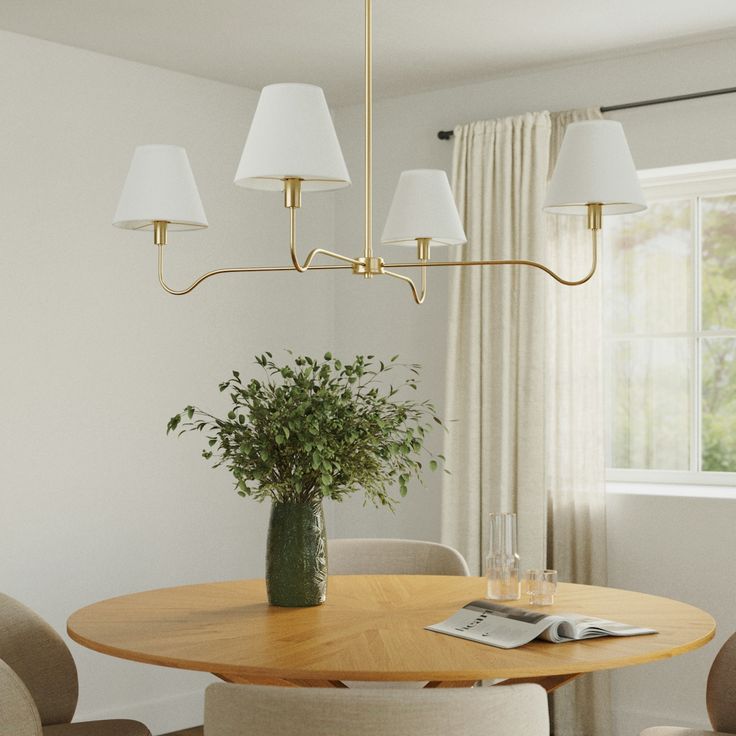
(419, 45)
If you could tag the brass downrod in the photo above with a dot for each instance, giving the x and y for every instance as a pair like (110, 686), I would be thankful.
(368, 236)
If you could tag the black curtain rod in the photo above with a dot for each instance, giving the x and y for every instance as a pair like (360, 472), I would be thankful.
(446, 135)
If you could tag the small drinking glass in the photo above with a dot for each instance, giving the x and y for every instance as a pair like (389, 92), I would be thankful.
(541, 586)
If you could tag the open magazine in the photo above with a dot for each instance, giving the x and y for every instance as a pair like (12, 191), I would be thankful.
(507, 627)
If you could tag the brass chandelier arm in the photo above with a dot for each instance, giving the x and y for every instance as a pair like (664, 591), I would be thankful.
(533, 264)
(307, 266)
(418, 296)
(216, 272)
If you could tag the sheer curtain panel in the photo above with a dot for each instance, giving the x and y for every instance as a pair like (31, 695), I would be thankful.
(524, 376)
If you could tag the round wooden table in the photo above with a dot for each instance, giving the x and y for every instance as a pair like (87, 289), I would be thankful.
(371, 628)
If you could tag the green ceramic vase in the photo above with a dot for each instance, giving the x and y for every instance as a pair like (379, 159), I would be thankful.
(296, 555)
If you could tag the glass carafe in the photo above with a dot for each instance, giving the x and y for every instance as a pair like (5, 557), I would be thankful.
(502, 563)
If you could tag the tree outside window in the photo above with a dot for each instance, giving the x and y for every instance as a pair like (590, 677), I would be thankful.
(670, 325)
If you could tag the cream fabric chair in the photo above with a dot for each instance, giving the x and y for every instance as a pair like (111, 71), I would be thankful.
(393, 557)
(720, 697)
(255, 710)
(18, 713)
(38, 681)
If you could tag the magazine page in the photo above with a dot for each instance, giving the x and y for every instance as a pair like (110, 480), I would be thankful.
(572, 626)
(494, 624)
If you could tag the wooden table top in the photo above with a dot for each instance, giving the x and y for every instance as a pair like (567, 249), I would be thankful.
(370, 628)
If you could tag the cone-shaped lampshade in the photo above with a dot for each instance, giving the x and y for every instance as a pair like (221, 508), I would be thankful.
(160, 186)
(594, 166)
(423, 207)
(292, 136)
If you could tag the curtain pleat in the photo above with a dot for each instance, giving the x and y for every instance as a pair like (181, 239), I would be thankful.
(495, 378)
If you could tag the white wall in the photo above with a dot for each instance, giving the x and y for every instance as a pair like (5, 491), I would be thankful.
(683, 549)
(95, 500)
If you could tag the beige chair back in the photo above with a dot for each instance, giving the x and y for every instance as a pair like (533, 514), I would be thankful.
(18, 712)
(41, 659)
(721, 691)
(393, 557)
(254, 710)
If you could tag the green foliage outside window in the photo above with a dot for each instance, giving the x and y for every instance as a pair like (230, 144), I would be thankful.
(719, 353)
(656, 330)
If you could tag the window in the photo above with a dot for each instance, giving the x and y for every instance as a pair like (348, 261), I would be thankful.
(670, 330)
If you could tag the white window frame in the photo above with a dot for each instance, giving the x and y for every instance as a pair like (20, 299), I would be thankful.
(675, 182)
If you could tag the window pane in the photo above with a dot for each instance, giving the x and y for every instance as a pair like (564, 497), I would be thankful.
(649, 403)
(719, 404)
(718, 216)
(648, 270)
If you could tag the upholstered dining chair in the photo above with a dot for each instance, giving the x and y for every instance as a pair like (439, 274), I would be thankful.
(720, 698)
(261, 710)
(38, 681)
(393, 557)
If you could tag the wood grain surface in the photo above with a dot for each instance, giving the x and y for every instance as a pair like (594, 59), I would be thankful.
(371, 628)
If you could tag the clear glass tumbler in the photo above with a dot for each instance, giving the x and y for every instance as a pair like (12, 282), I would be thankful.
(541, 587)
(502, 563)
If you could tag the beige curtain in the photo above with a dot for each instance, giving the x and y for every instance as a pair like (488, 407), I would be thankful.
(575, 462)
(524, 375)
(495, 372)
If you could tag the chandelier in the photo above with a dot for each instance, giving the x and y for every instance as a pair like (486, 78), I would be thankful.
(292, 147)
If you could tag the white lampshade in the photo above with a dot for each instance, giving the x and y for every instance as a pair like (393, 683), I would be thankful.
(423, 207)
(594, 166)
(292, 136)
(160, 186)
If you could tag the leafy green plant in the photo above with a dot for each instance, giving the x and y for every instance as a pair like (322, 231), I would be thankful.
(318, 429)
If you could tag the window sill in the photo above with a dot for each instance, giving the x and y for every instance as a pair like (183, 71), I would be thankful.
(678, 490)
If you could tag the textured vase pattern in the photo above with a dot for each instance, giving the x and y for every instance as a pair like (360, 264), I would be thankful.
(296, 555)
